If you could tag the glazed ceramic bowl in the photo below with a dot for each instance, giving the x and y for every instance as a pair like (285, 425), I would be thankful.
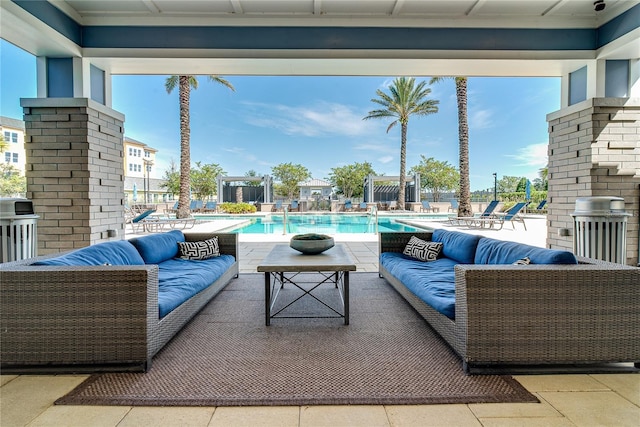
(311, 243)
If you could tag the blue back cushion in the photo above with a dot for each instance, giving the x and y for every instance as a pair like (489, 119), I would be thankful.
(119, 252)
(156, 248)
(457, 246)
(492, 251)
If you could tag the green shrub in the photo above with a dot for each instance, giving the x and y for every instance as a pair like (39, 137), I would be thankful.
(237, 208)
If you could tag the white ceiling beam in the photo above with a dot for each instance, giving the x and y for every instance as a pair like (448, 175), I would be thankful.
(556, 7)
(317, 7)
(237, 7)
(397, 7)
(150, 4)
(473, 10)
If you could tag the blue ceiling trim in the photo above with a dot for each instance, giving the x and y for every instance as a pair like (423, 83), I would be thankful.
(346, 38)
(619, 26)
(54, 18)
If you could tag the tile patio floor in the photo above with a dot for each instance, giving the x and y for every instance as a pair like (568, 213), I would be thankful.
(565, 400)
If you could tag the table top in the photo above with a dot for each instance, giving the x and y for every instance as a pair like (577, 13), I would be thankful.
(283, 258)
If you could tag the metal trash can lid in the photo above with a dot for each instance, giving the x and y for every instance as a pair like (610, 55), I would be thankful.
(600, 205)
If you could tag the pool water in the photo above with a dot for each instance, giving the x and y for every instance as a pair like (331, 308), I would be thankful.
(323, 224)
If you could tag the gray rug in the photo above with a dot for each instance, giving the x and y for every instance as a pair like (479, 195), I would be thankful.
(226, 356)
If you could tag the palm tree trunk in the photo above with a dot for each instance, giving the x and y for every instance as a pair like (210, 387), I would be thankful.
(403, 167)
(185, 152)
(464, 205)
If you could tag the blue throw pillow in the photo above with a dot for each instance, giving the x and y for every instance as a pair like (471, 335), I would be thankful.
(492, 251)
(457, 246)
(156, 248)
(119, 252)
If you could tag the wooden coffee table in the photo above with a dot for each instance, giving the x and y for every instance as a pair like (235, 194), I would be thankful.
(284, 264)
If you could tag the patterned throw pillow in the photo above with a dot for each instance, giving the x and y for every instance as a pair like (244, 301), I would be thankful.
(204, 249)
(523, 261)
(422, 250)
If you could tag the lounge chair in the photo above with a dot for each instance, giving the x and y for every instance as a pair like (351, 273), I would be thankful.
(487, 213)
(453, 207)
(363, 207)
(348, 206)
(136, 221)
(541, 206)
(278, 206)
(294, 206)
(512, 215)
(392, 206)
(426, 207)
(158, 224)
(195, 205)
(210, 207)
(174, 209)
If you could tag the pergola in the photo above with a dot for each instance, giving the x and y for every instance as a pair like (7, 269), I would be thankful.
(266, 181)
(594, 142)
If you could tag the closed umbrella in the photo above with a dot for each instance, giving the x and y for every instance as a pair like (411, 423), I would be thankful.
(527, 190)
(135, 192)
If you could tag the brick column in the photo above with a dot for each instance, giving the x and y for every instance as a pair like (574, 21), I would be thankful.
(74, 150)
(594, 150)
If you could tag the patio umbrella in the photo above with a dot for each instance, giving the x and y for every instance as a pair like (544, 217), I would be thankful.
(527, 191)
(135, 192)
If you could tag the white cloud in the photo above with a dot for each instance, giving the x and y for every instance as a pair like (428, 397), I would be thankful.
(385, 159)
(322, 118)
(481, 119)
(534, 155)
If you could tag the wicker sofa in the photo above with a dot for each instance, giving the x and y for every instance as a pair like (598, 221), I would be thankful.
(531, 318)
(97, 317)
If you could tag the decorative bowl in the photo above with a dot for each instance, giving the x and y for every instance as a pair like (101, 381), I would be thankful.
(311, 243)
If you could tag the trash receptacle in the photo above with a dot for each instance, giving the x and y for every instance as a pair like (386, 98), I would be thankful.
(600, 228)
(18, 230)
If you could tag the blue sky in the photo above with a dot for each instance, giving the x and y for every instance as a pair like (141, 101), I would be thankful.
(317, 121)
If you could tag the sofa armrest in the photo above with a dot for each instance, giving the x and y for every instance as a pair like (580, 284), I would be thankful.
(396, 241)
(548, 313)
(76, 315)
(228, 242)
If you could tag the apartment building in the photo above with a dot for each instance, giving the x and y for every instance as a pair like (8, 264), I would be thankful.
(12, 131)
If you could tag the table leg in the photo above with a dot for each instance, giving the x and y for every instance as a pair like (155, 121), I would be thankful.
(346, 297)
(267, 298)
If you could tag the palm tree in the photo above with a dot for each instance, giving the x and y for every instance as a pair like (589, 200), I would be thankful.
(464, 202)
(185, 84)
(403, 100)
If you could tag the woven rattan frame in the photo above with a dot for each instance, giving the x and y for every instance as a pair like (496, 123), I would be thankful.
(91, 318)
(509, 317)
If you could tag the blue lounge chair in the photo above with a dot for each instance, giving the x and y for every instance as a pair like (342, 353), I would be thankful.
(363, 207)
(210, 207)
(487, 213)
(137, 221)
(348, 206)
(541, 205)
(512, 215)
(426, 207)
(195, 205)
(294, 206)
(453, 205)
(278, 206)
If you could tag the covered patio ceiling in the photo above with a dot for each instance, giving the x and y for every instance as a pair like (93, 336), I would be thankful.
(327, 37)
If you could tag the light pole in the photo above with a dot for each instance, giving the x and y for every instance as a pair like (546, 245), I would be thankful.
(147, 167)
(495, 186)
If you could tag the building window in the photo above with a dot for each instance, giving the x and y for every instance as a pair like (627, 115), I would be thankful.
(7, 136)
(14, 137)
(15, 157)
(130, 151)
(147, 154)
(7, 157)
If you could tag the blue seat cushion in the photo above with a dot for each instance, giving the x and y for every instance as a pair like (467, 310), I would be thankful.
(492, 251)
(457, 246)
(433, 282)
(180, 279)
(119, 252)
(156, 248)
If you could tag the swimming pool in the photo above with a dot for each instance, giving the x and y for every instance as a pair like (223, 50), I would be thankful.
(324, 224)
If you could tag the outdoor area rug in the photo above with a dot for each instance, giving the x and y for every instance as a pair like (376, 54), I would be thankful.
(226, 356)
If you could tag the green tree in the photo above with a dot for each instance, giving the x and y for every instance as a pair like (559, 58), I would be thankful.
(253, 174)
(204, 180)
(542, 183)
(405, 99)
(4, 145)
(508, 184)
(464, 201)
(436, 176)
(289, 177)
(171, 179)
(349, 179)
(185, 84)
(12, 184)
